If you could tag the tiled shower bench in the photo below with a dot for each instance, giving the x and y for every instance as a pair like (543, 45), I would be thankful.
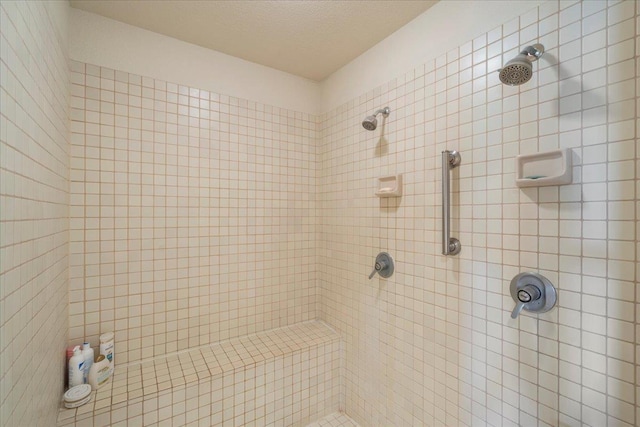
(283, 377)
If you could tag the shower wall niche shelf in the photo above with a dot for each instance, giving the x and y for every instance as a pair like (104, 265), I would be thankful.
(389, 186)
(542, 169)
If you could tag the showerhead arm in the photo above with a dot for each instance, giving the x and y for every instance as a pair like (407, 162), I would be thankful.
(533, 52)
(385, 112)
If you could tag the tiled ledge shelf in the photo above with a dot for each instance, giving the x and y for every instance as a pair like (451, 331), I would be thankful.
(285, 376)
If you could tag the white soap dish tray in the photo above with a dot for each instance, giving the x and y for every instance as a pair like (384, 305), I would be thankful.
(542, 169)
(389, 186)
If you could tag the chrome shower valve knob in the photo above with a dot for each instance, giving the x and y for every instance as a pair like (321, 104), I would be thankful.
(532, 292)
(383, 266)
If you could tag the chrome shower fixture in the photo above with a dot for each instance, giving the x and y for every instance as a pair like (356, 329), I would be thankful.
(371, 123)
(519, 69)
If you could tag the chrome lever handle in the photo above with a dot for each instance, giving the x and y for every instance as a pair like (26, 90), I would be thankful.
(381, 265)
(516, 311)
(526, 294)
(373, 273)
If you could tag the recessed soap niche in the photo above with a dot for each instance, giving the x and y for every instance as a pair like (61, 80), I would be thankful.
(542, 169)
(389, 186)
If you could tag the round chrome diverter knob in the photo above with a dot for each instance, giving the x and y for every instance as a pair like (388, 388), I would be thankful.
(529, 293)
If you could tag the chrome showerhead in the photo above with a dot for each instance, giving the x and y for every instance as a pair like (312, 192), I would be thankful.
(371, 123)
(519, 70)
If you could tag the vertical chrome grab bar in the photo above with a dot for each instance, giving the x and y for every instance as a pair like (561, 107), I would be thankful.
(450, 245)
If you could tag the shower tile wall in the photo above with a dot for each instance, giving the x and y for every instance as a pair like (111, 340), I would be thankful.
(34, 205)
(439, 345)
(193, 214)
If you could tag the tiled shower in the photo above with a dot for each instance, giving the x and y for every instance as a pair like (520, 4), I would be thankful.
(440, 345)
(179, 217)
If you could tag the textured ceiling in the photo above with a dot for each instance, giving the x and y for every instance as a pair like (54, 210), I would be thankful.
(309, 38)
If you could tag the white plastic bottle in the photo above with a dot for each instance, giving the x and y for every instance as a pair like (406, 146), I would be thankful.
(100, 373)
(76, 364)
(88, 356)
(107, 348)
